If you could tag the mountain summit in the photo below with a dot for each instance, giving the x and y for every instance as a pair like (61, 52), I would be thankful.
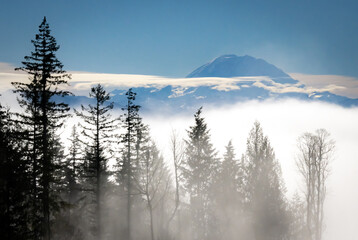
(228, 66)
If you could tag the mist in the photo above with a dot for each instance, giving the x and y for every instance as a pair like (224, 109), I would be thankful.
(283, 122)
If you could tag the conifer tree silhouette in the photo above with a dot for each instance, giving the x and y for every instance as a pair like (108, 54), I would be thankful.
(43, 114)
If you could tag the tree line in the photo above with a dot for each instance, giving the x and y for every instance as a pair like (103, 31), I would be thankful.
(49, 191)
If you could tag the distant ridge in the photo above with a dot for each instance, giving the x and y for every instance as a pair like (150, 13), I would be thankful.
(230, 65)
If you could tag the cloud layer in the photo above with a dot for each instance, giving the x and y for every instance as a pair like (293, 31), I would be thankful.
(340, 85)
(82, 81)
(283, 122)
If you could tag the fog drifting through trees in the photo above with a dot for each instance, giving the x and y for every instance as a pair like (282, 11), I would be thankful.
(283, 122)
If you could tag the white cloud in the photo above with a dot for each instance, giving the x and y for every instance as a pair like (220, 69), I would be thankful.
(82, 81)
(6, 68)
(340, 85)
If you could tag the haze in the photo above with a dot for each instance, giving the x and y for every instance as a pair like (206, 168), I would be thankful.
(283, 122)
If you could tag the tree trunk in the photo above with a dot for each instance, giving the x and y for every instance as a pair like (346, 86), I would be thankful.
(46, 159)
(98, 172)
(151, 217)
(129, 174)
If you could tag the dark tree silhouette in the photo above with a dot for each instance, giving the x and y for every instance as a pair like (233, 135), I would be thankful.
(67, 222)
(73, 167)
(97, 129)
(14, 180)
(42, 116)
(133, 139)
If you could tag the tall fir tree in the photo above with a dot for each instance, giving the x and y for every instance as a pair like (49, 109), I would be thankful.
(97, 129)
(43, 114)
(265, 188)
(199, 168)
(228, 195)
(133, 142)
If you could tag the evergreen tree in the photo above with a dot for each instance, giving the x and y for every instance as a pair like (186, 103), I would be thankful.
(14, 181)
(134, 140)
(68, 220)
(265, 190)
(199, 169)
(97, 129)
(63, 226)
(228, 195)
(73, 167)
(297, 227)
(229, 173)
(43, 114)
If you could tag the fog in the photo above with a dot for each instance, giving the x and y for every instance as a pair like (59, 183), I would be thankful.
(283, 122)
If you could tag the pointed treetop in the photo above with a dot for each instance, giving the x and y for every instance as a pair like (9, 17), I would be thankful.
(229, 155)
(44, 22)
(44, 28)
(199, 111)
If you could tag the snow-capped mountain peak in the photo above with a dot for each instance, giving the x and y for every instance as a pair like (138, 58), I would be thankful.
(230, 65)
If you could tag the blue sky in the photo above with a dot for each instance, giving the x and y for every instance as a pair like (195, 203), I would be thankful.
(172, 38)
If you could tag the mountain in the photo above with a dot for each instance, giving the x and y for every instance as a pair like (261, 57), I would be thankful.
(238, 75)
(228, 66)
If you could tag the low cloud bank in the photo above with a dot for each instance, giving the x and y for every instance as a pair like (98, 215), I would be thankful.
(283, 122)
(82, 81)
(340, 85)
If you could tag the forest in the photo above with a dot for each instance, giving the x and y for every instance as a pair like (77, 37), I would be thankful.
(55, 190)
